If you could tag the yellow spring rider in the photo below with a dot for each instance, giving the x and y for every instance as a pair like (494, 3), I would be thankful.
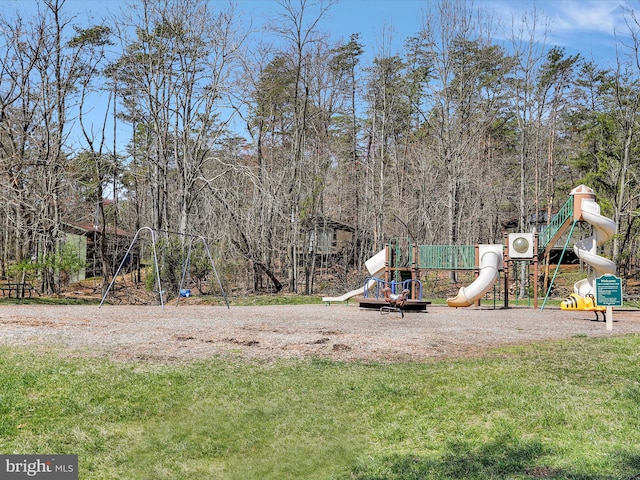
(588, 303)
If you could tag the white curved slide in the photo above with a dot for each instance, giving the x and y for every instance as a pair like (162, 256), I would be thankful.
(490, 264)
(375, 266)
(603, 228)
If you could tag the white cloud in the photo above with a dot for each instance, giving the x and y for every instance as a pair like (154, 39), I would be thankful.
(590, 27)
(601, 16)
(598, 16)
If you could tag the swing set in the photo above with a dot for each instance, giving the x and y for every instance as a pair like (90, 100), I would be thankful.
(185, 267)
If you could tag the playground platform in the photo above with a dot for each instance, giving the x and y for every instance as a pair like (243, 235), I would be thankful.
(409, 306)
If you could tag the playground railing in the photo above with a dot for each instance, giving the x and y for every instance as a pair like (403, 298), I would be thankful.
(406, 285)
(447, 257)
(556, 223)
(400, 252)
(380, 284)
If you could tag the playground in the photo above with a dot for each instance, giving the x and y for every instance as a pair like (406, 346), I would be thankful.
(348, 332)
(399, 268)
(338, 332)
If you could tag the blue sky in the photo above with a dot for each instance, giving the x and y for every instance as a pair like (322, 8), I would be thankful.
(585, 26)
(588, 27)
(581, 26)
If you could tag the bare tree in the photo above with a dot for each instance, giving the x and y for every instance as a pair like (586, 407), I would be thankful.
(18, 121)
(173, 79)
(617, 170)
(95, 164)
(283, 106)
(529, 44)
(44, 65)
(467, 97)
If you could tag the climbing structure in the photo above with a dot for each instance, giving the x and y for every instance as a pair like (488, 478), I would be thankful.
(400, 264)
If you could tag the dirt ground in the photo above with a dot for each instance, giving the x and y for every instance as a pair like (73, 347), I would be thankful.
(340, 332)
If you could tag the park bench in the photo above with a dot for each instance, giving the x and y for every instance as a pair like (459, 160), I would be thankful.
(20, 289)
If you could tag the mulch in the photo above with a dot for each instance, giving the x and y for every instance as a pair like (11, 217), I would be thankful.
(338, 332)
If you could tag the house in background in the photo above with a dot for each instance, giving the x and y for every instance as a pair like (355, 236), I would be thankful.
(329, 237)
(83, 238)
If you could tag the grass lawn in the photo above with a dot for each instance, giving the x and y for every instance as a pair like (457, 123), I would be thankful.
(568, 410)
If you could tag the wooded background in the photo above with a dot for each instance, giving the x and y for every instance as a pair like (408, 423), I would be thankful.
(175, 115)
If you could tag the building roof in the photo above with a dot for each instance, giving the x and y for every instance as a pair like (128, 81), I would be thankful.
(328, 223)
(82, 228)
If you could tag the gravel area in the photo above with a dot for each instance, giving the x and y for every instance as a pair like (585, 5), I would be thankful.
(341, 332)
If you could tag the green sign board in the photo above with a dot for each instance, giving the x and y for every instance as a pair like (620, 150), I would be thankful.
(609, 291)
